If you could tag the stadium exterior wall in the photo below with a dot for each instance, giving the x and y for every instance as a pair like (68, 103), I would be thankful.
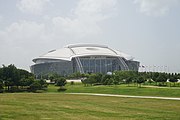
(84, 58)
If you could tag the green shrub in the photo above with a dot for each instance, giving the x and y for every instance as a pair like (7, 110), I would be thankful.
(72, 83)
(35, 86)
(62, 89)
(61, 82)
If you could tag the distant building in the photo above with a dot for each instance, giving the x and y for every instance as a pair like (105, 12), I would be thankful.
(83, 58)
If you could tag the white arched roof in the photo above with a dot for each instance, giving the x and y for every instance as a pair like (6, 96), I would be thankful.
(77, 50)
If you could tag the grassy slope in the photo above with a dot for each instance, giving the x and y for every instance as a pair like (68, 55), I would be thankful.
(29, 106)
(122, 89)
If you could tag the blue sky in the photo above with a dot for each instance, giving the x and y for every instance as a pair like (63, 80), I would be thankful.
(149, 30)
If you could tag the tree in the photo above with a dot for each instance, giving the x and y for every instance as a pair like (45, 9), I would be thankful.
(76, 75)
(178, 76)
(11, 76)
(43, 83)
(1, 86)
(118, 77)
(86, 81)
(105, 79)
(129, 80)
(94, 78)
(25, 74)
(61, 82)
(161, 78)
(1, 73)
(35, 86)
(155, 75)
(53, 76)
(150, 81)
(115, 81)
(72, 82)
(110, 81)
(140, 80)
(24, 82)
(173, 79)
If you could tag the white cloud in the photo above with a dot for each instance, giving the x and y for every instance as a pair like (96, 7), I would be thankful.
(75, 27)
(22, 31)
(30, 38)
(156, 7)
(86, 17)
(96, 9)
(83, 21)
(32, 6)
(23, 34)
(20, 41)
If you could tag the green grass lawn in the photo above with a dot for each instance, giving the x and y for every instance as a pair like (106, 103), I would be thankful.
(54, 106)
(120, 89)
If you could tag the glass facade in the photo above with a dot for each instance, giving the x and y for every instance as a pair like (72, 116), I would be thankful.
(99, 64)
(133, 65)
(61, 68)
(86, 64)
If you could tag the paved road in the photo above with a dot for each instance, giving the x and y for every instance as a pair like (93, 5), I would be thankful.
(126, 96)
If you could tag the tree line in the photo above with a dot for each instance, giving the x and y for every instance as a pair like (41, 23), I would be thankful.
(119, 77)
(13, 79)
(129, 77)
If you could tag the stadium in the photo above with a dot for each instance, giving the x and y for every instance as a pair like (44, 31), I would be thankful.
(83, 58)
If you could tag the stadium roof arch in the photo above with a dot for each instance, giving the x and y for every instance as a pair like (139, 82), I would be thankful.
(78, 50)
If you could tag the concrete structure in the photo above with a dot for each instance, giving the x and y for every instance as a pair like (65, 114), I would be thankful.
(83, 58)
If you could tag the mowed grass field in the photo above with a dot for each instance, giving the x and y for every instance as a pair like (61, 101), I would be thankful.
(60, 106)
(121, 90)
